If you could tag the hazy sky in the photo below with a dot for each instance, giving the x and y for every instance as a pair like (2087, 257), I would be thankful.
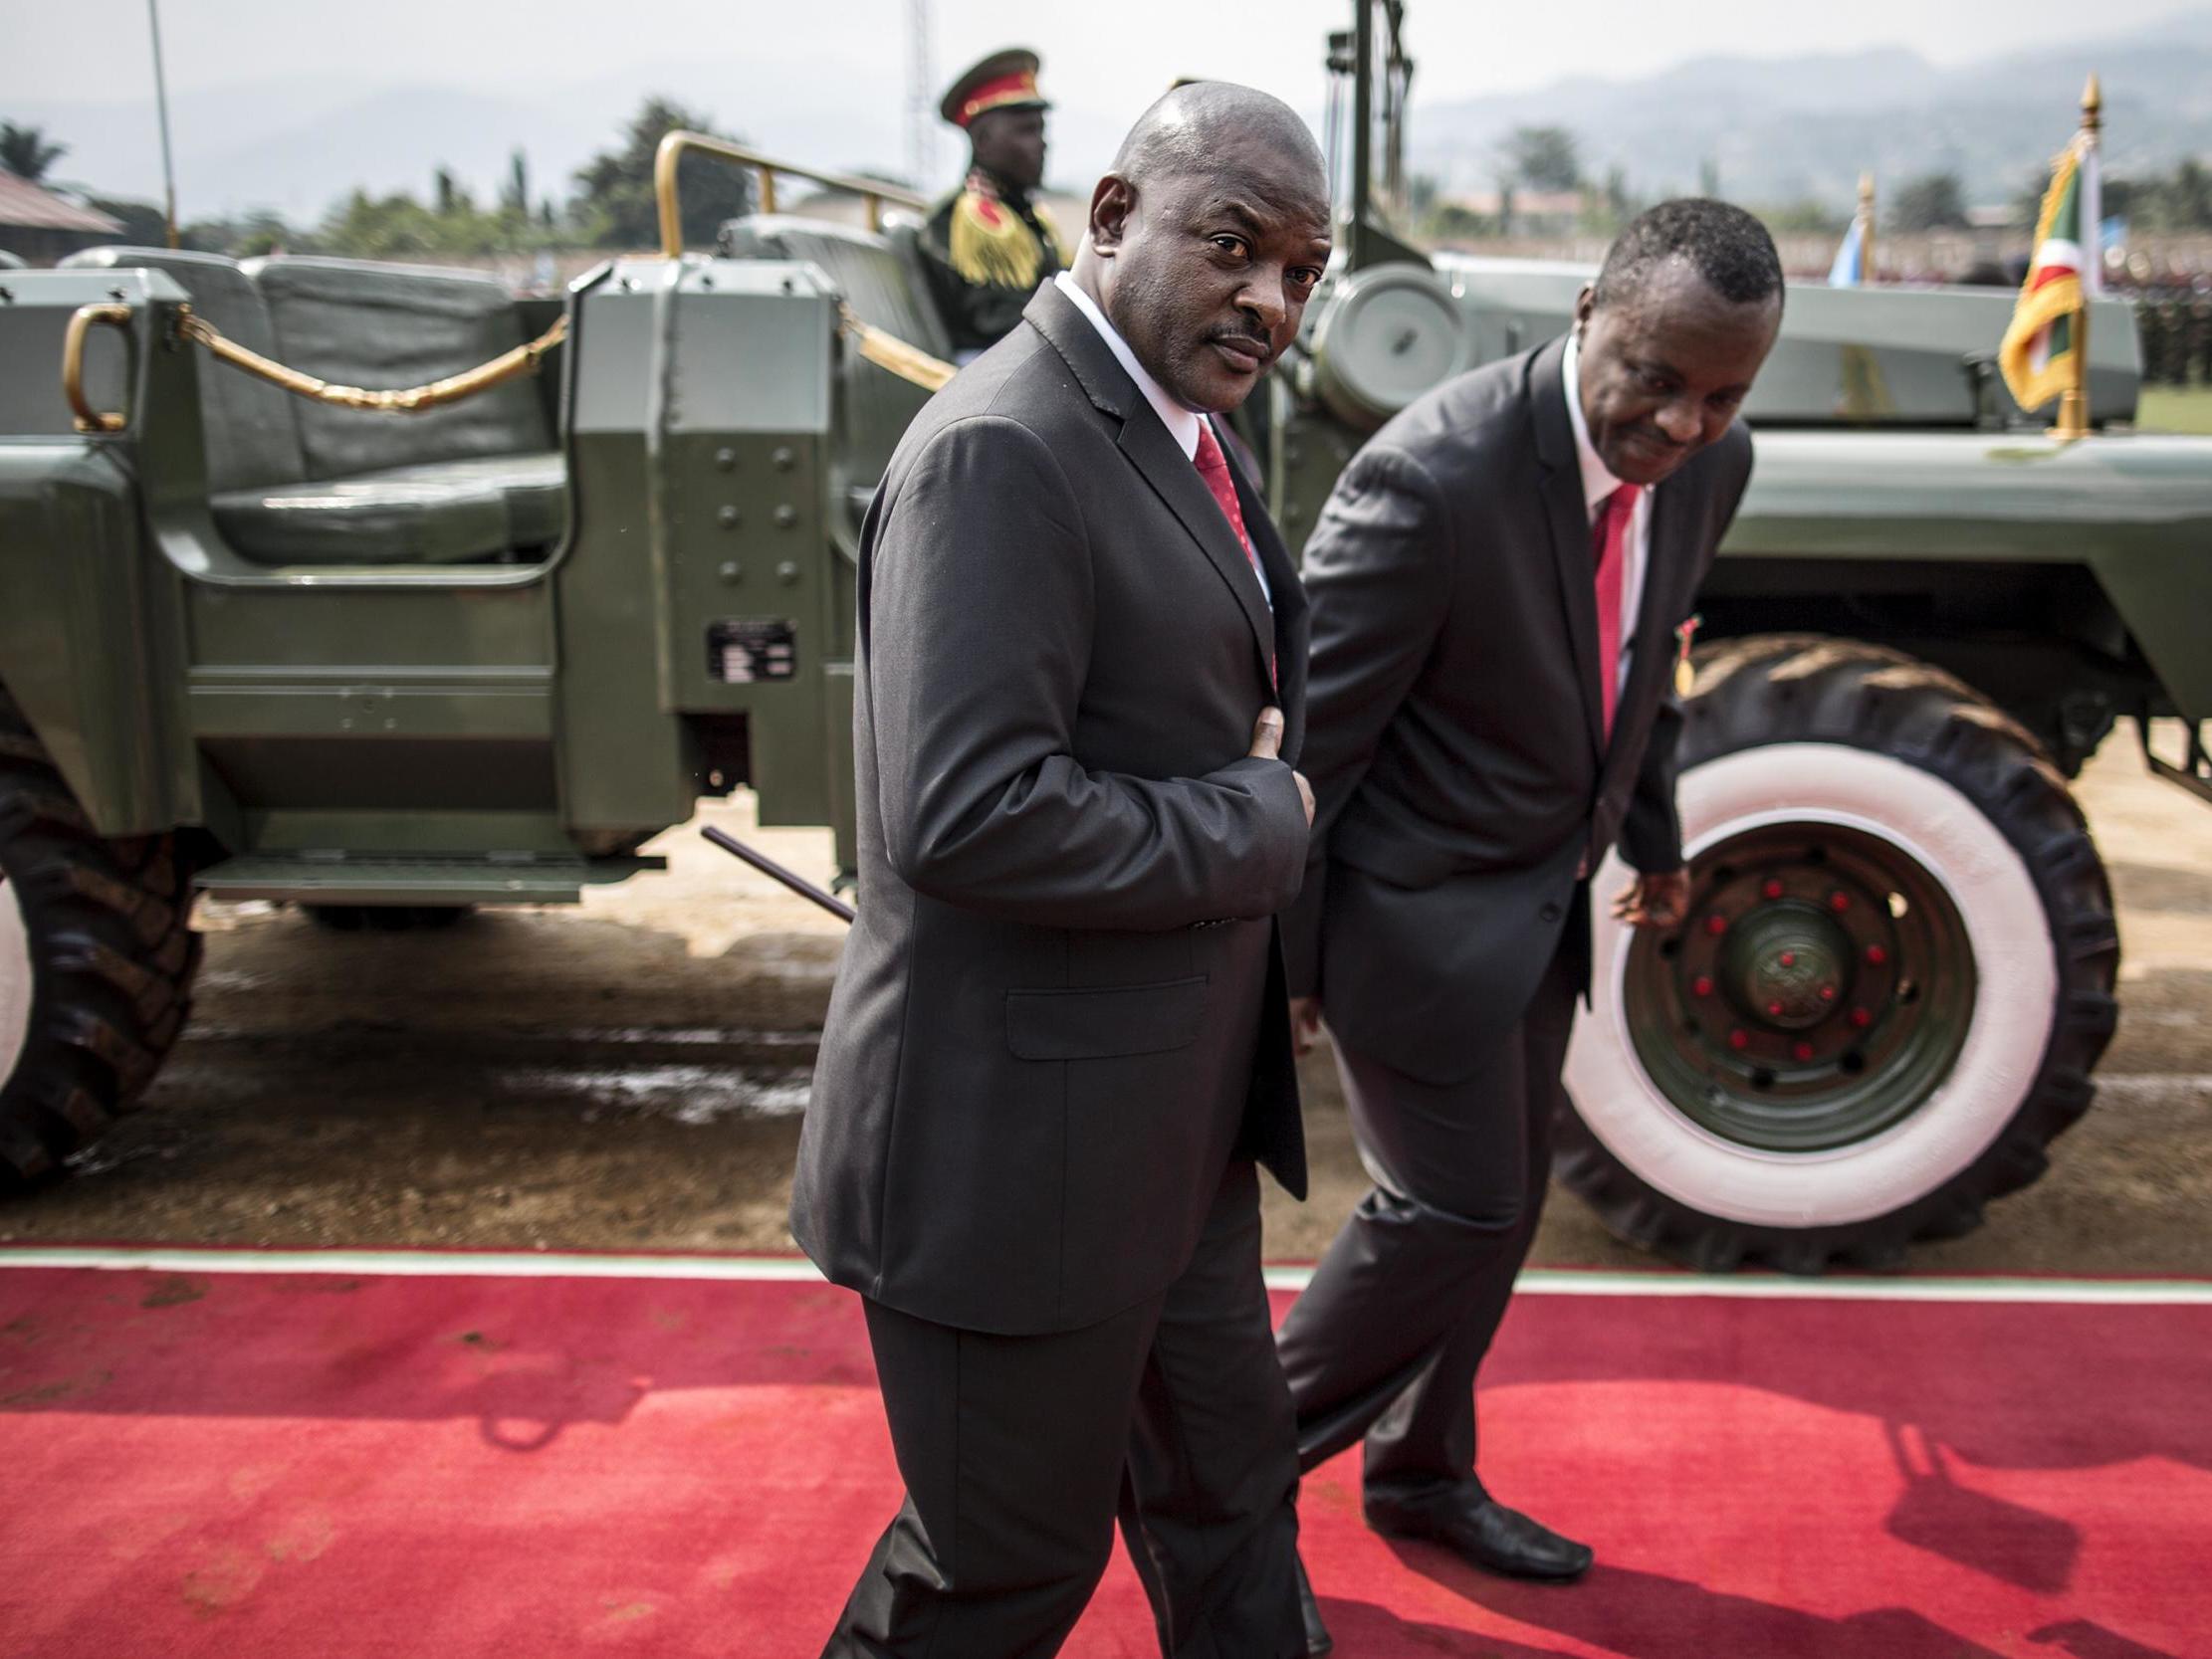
(819, 79)
(1121, 53)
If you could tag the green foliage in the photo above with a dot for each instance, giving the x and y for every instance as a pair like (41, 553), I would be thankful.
(1933, 201)
(25, 152)
(613, 206)
(1543, 158)
(248, 236)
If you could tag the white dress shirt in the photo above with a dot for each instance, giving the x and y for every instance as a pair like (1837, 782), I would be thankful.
(1181, 423)
(1597, 484)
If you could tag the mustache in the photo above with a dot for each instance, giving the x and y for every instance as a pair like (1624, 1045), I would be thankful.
(1246, 338)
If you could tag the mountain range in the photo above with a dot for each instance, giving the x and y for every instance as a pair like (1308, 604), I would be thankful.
(1776, 129)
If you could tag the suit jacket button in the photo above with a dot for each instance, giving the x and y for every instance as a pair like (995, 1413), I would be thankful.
(1550, 913)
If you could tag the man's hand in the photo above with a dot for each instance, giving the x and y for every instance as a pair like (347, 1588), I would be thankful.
(1267, 745)
(1655, 901)
(1306, 1024)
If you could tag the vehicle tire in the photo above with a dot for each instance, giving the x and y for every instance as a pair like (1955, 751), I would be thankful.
(1897, 975)
(385, 919)
(97, 957)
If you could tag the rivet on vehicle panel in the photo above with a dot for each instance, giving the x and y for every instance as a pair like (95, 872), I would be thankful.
(729, 517)
(786, 572)
(783, 457)
(730, 570)
(787, 516)
(727, 459)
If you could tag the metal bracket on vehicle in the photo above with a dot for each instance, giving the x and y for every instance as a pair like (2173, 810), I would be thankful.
(2194, 773)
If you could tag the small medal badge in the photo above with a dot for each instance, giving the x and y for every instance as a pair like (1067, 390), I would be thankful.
(1686, 676)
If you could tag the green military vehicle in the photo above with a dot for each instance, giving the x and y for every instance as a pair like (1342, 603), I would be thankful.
(387, 665)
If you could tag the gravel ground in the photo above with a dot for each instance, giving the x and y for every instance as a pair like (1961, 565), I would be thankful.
(630, 1073)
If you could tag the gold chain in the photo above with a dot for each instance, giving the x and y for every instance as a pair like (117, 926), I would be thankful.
(412, 400)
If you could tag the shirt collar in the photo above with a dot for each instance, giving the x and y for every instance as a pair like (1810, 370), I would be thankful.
(1181, 424)
(1596, 481)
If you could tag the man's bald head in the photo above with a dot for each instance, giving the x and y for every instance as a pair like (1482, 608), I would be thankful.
(1207, 239)
(1187, 130)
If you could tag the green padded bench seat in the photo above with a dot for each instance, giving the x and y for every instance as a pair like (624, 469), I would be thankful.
(293, 482)
(440, 512)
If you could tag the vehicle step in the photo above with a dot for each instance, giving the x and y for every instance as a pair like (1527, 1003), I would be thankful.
(421, 879)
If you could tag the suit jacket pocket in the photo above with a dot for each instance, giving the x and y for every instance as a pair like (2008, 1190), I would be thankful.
(1103, 1024)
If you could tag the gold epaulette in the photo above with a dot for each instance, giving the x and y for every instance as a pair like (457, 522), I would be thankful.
(990, 245)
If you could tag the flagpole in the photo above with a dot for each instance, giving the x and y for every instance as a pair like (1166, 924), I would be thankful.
(2074, 402)
(161, 103)
(1867, 228)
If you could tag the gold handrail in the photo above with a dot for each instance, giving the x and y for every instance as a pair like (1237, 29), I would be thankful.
(874, 192)
(410, 400)
(81, 321)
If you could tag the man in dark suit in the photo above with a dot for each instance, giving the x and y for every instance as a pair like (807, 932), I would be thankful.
(1497, 583)
(1060, 1044)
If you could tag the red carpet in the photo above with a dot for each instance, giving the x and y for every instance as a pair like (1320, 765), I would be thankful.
(315, 1466)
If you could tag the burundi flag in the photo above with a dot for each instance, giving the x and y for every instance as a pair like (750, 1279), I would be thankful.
(1850, 269)
(2040, 348)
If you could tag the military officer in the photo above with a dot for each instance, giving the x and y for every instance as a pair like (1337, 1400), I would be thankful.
(989, 244)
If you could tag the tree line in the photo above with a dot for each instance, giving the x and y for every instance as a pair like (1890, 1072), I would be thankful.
(610, 203)
(1548, 162)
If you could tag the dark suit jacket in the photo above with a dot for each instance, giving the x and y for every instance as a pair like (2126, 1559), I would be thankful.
(1455, 733)
(1061, 1010)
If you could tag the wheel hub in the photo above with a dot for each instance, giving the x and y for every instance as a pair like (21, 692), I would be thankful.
(1821, 988)
(1787, 963)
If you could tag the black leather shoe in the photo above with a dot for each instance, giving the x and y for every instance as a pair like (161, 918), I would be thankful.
(1318, 1639)
(1475, 1525)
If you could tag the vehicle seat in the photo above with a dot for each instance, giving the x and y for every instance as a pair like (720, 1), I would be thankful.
(293, 482)
(250, 428)
(880, 277)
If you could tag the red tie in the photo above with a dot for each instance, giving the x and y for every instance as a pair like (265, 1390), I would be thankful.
(1212, 466)
(1608, 538)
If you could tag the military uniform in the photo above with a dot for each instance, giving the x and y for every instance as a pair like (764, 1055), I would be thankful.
(988, 245)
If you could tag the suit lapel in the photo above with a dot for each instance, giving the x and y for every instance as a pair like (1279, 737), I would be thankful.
(1291, 605)
(1176, 480)
(1156, 454)
(1567, 520)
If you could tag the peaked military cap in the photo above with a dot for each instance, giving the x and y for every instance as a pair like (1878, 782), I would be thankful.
(1004, 81)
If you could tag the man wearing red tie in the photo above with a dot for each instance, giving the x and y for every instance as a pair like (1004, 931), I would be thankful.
(1497, 586)
(1058, 1053)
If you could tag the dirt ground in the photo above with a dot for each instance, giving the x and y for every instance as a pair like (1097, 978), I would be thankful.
(630, 1073)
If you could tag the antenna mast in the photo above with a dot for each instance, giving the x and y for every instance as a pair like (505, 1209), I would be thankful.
(921, 118)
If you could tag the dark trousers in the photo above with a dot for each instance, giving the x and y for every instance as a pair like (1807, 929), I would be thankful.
(1386, 1341)
(1019, 1453)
